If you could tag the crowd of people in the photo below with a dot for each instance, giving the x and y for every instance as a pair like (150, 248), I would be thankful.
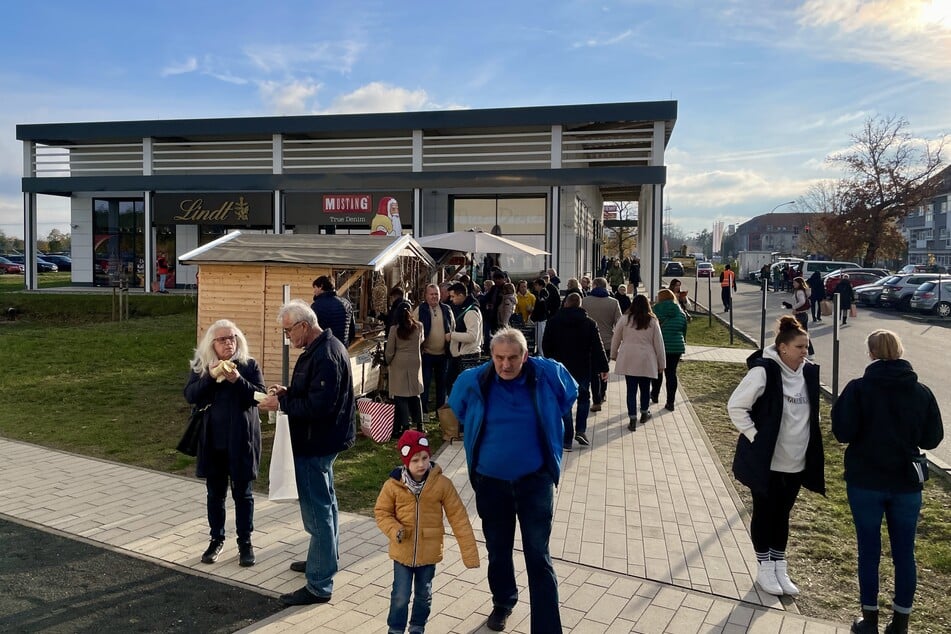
(521, 408)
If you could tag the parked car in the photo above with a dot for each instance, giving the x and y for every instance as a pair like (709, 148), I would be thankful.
(922, 268)
(932, 297)
(63, 262)
(42, 265)
(704, 269)
(856, 278)
(871, 294)
(6, 266)
(674, 269)
(898, 293)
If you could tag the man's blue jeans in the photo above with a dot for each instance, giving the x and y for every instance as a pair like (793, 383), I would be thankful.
(530, 499)
(434, 365)
(318, 510)
(901, 515)
(581, 417)
(403, 586)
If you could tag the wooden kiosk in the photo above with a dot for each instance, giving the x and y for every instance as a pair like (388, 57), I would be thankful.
(242, 277)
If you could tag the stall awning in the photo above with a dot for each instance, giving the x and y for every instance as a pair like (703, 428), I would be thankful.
(341, 251)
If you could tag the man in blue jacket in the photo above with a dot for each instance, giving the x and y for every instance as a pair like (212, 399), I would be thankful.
(511, 410)
(334, 313)
(320, 410)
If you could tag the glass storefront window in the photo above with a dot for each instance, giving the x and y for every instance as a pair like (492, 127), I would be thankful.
(119, 242)
(521, 218)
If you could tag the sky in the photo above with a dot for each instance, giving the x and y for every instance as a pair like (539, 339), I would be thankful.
(766, 89)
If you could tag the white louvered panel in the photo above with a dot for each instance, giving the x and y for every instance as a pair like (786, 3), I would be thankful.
(584, 147)
(487, 151)
(348, 154)
(87, 160)
(182, 157)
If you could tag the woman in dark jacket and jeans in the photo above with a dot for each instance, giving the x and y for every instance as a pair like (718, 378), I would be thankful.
(884, 433)
(224, 377)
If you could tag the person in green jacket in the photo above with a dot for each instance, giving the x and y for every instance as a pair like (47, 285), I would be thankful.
(615, 275)
(673, 326)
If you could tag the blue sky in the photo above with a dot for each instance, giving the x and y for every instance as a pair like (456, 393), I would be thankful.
(766, 88)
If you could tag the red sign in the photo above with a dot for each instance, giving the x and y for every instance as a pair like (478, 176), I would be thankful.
(347, 203)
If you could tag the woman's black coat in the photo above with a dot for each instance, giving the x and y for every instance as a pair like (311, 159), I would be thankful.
(234, 404)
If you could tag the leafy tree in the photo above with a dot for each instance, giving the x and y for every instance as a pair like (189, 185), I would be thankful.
(57, 241)
(889, 173)
(704, 242)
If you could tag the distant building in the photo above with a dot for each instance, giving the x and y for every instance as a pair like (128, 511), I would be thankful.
(928, 228)
(772, 232)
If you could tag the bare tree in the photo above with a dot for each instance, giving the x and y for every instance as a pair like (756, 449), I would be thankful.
(621, 241)
(889, 174)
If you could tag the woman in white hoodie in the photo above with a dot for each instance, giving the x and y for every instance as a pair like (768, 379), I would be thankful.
(776, 409)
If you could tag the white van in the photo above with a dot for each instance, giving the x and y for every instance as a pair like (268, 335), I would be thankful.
(808, 267)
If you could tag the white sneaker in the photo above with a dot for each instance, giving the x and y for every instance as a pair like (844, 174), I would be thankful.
(782, 576)
(766, 578)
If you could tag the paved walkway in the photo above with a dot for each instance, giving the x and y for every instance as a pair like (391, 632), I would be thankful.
(648, 535)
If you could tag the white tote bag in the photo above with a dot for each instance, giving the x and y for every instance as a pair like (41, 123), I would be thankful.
(282, 485)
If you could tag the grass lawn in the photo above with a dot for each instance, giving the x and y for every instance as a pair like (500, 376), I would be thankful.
(113, 390)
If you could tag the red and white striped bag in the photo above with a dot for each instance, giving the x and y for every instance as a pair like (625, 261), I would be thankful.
(376, 418)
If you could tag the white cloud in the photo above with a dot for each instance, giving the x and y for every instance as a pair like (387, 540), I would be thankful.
(336, 56)
(188, 66)
(909, 35)
(380, 97)
(604, 40)
(289, 98)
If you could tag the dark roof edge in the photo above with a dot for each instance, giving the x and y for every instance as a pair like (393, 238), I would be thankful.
(597, 176)
(503, 117)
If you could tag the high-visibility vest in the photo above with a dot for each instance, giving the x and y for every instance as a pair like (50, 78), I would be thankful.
(727, 278)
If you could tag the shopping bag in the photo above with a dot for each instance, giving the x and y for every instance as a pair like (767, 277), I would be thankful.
(376, 418)
(853, 311)
(448, 423)
(282, 484)
(826, 307)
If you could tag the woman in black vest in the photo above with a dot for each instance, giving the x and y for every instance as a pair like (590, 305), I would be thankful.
(776, 409)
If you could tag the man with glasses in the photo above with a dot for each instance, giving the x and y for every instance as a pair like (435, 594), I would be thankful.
(320, 410)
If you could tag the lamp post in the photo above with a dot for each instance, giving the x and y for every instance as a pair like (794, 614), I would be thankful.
(789, 202)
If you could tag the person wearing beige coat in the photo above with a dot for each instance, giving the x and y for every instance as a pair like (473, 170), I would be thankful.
(405, 370)
(638, 349)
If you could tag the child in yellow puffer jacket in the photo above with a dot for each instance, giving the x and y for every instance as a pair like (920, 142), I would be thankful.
(409, 511)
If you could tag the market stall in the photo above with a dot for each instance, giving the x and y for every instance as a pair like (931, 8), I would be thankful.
(242, 277)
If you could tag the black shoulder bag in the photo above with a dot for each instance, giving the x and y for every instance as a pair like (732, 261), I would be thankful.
(188, 445)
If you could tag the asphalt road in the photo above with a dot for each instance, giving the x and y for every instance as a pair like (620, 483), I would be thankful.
(53, 584)
(927, 344)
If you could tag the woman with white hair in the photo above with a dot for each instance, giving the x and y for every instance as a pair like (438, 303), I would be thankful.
(224, 379)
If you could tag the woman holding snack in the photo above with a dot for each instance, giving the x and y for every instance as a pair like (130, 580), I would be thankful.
(224, 379)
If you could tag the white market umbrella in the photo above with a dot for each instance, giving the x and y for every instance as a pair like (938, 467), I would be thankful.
(475, 241)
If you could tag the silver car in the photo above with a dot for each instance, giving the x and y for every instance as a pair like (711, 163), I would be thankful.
(897, 293)
(932, 297)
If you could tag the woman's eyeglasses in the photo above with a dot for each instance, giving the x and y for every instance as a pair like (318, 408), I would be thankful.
(228, 339)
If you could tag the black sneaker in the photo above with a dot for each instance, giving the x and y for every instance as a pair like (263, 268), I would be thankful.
(669, 407)
(582, 439)
(595, 407)
(632, 425)
(246, 554)
(655, 399)
(299, 566)
(211, 553)
(496, 620)
(645, 414)
(302, 596)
